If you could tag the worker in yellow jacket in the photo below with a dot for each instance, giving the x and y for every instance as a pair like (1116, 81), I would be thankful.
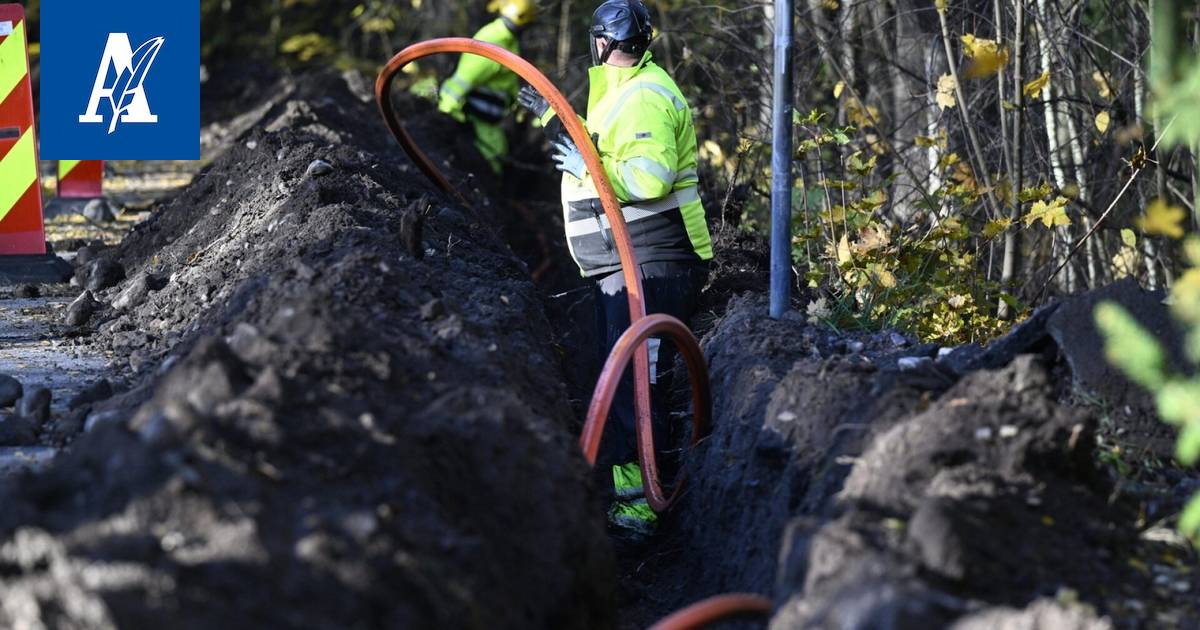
(642, 127)
(481, 92)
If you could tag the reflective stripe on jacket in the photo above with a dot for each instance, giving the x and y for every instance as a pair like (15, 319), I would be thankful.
(647, 143)
(480, 86)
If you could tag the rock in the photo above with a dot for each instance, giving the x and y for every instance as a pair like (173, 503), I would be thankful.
(136, 291)
(1042, 614)
(432, 309)
(17, 431)
(104, 273)
(85, 255)
(933, 532)
(69, 426)
(35, 405)
(318, 168)
(10, 390)
(909, 364)
(100, 211)
(102, 418)
(81, 310)
(28, 291)
(100, 390)
(250, 345)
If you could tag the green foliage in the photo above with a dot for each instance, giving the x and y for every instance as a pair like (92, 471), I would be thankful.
(1130, 347)
(1175, 73)
(1139, 355)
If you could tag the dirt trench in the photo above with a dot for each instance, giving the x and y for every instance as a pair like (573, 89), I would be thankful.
(342, 408)
(866, 481)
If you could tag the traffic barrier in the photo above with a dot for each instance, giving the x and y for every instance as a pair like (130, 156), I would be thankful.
(80, 179)
(21, 230)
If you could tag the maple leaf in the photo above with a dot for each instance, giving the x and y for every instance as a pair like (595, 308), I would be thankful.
(1050, 214)
(1162, 219)
(945, 92)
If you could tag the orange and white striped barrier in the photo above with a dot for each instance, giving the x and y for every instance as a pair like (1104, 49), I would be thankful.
(21, 230)
(80, 179)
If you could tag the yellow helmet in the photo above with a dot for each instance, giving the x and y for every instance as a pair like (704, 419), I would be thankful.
(519, 12)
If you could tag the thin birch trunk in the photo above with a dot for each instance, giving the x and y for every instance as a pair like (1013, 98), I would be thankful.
(1012, 237)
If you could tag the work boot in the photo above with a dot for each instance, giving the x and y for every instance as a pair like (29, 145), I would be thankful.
(630, 513)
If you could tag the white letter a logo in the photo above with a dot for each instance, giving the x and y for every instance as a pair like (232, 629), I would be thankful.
(125, 95)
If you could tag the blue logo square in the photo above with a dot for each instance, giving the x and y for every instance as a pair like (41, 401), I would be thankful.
(120, 80)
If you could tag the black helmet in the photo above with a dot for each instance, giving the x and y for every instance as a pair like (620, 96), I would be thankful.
(624, 25)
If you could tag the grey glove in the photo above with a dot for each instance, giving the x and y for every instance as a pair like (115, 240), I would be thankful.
(529, 98)
(567, 157)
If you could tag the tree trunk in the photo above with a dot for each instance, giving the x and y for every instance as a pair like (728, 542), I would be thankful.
(1012, 237)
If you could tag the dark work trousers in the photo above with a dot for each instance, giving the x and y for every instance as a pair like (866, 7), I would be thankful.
(672, 288)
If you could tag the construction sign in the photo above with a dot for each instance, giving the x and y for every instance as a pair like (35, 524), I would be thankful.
(20, 183)
(80, 179)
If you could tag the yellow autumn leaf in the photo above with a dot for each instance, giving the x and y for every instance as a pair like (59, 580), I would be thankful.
(994, 228)
(945, 92)
(1034, 88)
(843, 251)
(881, 276)
(832, 5)
(1102, 120)
(712, 152)
(1050, 214)
(871, 238)
(987, 56)
(1162, 219)
(941, 5)
(837, 89)
(1102, 84)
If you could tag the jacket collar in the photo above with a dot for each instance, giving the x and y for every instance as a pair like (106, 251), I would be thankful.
(609, 76)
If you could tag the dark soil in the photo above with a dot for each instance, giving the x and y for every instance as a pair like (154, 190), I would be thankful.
(866, 492)
(343, 410)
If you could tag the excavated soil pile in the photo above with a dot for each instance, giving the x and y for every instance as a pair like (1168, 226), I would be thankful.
(873, 483)
(345, 411)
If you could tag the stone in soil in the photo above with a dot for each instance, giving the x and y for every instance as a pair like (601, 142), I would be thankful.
(10, 390)
(28, 291)
(35, 405)
(136, 291)
(80, 311)
(103, 273)
(318, 168)
(100, 390)
(99, 211)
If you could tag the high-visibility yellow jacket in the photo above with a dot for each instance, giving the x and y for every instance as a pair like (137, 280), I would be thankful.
(481, 87)
(644, 134)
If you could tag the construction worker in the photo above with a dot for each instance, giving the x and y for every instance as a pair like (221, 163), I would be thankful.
(642, 129)
(481, 91)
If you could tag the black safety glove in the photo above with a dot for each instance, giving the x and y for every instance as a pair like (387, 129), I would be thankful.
(532, 101)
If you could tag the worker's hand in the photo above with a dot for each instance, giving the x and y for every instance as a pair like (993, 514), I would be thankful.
(567, 157)
(529, 98)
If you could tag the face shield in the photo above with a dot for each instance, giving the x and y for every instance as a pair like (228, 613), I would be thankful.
(595, 40)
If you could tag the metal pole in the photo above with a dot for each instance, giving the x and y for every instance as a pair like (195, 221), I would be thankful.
(781, 163)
